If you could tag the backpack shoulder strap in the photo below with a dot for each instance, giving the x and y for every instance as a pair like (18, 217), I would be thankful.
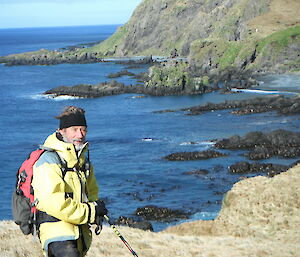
(62, 161)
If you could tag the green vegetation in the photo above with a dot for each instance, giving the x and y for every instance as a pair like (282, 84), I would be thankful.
(230, 54)
(224, 55)
(178, 8)
(176, 75)
(205, 80)
(281, 38)
(173, 75)
(112, 42)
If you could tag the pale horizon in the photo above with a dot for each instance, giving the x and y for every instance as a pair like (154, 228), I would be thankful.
(70, 13)
(63, 26)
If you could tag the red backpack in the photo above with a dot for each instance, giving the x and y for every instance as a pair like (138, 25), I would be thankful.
(23, 203)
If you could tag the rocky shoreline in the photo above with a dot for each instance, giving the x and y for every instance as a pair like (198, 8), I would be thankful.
(115, 88)
(259, 146)
(54, 57)
(188, 156)
(162, 79)
(144, 215)
(280, 104)
(283, 105)
(278, 143)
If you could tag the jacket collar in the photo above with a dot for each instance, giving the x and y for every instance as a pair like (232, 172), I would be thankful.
(66, 150)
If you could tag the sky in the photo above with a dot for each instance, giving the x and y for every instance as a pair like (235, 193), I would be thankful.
(51, 13)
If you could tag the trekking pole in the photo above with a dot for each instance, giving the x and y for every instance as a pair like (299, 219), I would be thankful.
(120, 236)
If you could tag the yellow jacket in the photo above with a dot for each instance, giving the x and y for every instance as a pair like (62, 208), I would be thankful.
(68, 199)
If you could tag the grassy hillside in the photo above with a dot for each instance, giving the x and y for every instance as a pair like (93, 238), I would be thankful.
(158, 26)
(277, 52)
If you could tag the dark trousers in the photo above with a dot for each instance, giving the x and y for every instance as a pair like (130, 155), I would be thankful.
(63, 249)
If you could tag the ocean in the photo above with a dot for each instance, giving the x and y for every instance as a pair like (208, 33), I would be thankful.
(128, 138)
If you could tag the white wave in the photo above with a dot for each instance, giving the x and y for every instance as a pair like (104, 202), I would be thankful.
(200, 216)
(202, 143)
(266, 122)
(148, 139)
(204, 215)
(261, 123)
(260, 91)
(53, 97)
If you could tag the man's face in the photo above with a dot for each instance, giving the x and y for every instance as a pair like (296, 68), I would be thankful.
(75, 134)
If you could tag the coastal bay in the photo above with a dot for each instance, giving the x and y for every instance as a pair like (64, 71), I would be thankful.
(148, 133)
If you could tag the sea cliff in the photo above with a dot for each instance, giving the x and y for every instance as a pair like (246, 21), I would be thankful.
(219, 38)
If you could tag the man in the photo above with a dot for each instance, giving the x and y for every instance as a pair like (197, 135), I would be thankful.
(66, 190)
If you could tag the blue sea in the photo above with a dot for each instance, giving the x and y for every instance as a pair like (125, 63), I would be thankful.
(128, 139)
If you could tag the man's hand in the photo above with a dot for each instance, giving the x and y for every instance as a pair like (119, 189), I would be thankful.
(100, 208)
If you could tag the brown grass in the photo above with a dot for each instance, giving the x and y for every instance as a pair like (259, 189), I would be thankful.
(282, 14)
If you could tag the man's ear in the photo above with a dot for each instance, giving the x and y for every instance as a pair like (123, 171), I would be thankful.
(62, 131)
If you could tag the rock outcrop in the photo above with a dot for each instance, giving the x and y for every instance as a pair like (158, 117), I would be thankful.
(51, 57)
(115, 88)
(280, 143)
(280, 104)
(90, 91)
(130, 222)
(152, 212)
(269, 168)
(189, 156)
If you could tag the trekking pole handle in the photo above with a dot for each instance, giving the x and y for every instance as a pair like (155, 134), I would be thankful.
(120, 236)
(99, 227)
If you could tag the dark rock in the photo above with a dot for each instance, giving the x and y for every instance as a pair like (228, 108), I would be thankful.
(261, 152)
(281, 143)
(280, 104)
(268, 168)
(196, 172)
(47, 57)
(240, 167)
(141, 77)
(174, 53)
(120, 74)
(152, 212)
(130, 222)
(187, 156)
(111, 88)
(91, 91)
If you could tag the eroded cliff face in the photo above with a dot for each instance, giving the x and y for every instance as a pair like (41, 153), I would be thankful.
(215, 35)
(159, 26)
(218, 38)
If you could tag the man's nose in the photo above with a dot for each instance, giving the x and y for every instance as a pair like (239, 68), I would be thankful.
(79, 133)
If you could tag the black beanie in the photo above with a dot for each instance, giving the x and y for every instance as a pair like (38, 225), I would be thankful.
(73, 119)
